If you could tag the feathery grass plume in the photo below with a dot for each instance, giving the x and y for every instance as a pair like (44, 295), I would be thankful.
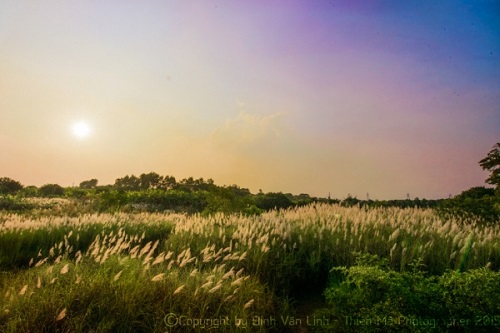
(146, 248)
(168, 255)
(117, 275)
(105, 256)
(78, 257)
(228, 274)
(65, 269)
(38, 282)
(238, 281)
(393, 250)
(248, 304)
(151, 251)
(159, 259)
(78, 279)
(23, 290)
(133, 252)
(158, 277)
(41, 262)
(53, 280)
(214, 289)
(178, 290)
(61, 315)
(238, 273)
(394, 235)
(193, 272)
(186, 261)
(207, 284)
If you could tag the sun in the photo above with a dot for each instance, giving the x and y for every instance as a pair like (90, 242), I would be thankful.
(81, 130)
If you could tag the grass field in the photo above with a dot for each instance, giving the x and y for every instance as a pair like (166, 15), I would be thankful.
(150, 272)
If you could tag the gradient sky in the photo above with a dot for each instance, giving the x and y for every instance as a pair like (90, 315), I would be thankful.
(346, 97)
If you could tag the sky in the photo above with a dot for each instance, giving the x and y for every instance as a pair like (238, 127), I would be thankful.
(318, 97)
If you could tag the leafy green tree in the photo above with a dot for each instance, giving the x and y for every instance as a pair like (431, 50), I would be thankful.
(350, 201)
(51, 190)
(29, 191)
(89, 184)
(491, 163)
(167, 183)
(476, 204)
(151, 180)
(273, 201)
(130, 183)
(9, 186)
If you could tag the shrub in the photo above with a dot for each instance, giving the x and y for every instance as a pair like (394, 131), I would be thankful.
(478, 204)
(370, 297)
(271, 200)
(51, 190)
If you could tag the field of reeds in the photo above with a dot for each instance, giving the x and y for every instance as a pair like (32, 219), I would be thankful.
(280, 271)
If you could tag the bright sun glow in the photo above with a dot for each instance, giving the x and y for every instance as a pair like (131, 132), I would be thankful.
(81, 130)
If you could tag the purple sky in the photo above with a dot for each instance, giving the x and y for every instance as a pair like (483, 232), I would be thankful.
(346, 97)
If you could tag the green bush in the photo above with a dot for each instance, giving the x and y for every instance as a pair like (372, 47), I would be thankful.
(369, 297)
(479, 204)
(12, 203)
(271, 200)
(51, 190)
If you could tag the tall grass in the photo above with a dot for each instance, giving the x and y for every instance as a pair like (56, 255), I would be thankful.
(130, 272)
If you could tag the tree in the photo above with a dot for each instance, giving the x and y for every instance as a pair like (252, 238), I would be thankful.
(51, 190)
(9, 186)
(272, 200)
(167, 183)
(150, 180)
(89, 184)
(475, 204)
(491, 163)
(128, 183)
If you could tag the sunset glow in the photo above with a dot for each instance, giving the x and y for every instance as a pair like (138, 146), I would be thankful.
(340, 97)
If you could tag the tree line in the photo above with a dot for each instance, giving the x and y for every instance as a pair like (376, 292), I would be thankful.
(154, 192)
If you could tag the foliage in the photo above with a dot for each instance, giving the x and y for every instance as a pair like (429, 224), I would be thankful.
(89, 184)
(126, 271)
(350, 201)
(151, 180)
(9, 186)
(51, 190)
(152, 192)
(273, 201)
(29, 191)
(491, 163)
(478, 204)
(373, 298)
(13, 204)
